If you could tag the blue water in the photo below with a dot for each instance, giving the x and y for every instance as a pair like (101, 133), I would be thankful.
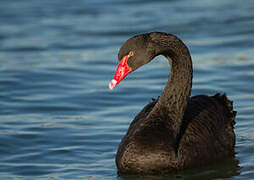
(58, 118)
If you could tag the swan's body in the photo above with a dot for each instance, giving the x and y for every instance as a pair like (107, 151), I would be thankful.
(174, 131)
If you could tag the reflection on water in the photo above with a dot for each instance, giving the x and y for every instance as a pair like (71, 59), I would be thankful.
(58, 118)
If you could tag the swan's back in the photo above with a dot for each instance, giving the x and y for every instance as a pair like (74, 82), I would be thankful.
(206, 134)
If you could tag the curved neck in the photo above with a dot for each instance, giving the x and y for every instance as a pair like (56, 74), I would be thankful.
(174, 98)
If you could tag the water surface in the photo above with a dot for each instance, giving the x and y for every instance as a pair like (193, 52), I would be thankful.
(58, 118)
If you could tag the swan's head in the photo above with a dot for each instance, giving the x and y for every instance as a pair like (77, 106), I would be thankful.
(134, 53)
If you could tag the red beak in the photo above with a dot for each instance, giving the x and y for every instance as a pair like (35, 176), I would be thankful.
(122, 70)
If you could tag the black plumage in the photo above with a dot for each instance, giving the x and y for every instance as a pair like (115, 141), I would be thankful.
(174, 131)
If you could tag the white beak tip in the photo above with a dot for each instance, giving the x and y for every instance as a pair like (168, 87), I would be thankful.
(112, 84)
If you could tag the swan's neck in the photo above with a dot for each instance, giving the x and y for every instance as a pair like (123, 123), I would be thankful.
(174, 98)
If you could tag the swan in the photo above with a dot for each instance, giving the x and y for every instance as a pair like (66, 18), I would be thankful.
(174, 131)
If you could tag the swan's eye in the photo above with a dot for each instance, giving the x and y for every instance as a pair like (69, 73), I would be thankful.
(131, 53)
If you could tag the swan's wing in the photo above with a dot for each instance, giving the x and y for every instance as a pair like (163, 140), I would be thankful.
(207, 131)
(214, 111)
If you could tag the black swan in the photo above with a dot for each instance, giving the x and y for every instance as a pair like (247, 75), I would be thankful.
(175, 131)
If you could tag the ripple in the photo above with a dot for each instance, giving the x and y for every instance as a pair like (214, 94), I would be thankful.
(58, 118)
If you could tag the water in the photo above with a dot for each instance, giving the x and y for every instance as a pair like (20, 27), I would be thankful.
(58, 118)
